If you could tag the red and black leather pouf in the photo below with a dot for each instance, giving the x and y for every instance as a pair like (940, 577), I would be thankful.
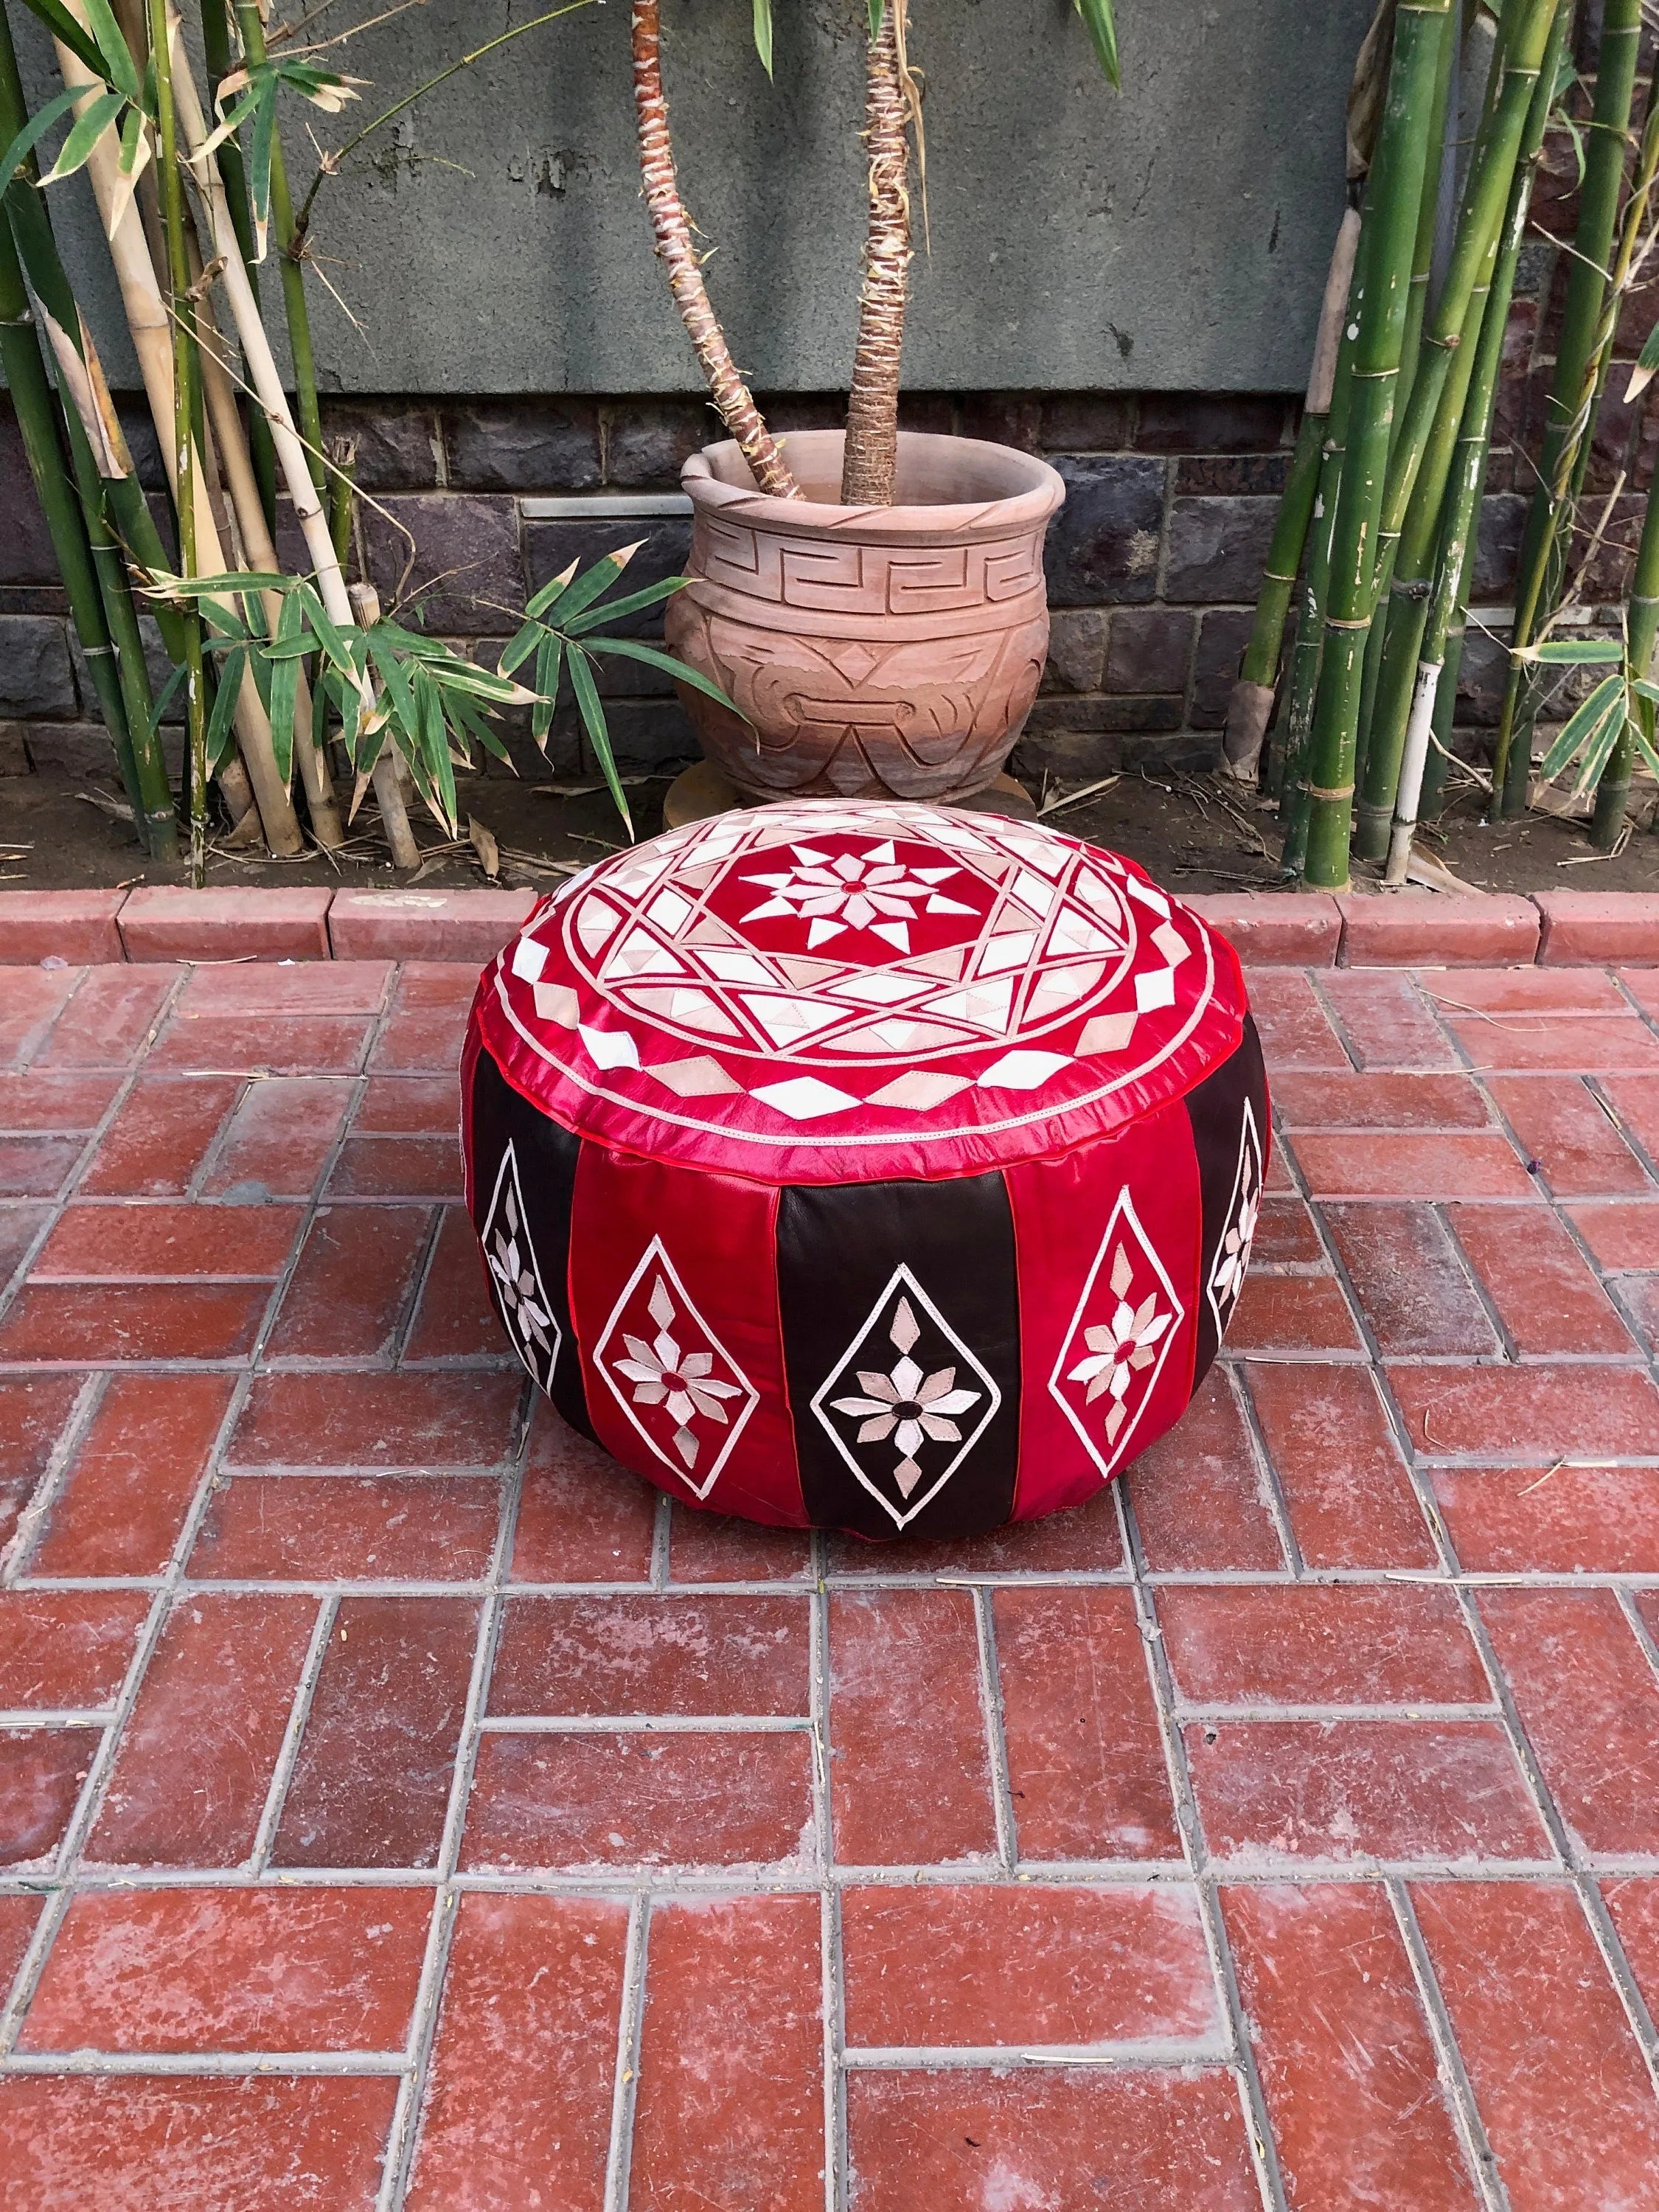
(863, 1166)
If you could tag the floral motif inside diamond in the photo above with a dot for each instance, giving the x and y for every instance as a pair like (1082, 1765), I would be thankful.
(1122, 1327)
(1118, 1349)
(1233, 1253)
(516, 1274)
(663, 1374)
(906, 1404)
(670, 1375)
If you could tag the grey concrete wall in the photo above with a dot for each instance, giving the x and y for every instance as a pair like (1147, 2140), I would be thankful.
(1172, 239)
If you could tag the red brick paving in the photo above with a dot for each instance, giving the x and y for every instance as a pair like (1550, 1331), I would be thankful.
(400, 1806)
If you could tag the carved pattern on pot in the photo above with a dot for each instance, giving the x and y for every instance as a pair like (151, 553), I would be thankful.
(877, 652)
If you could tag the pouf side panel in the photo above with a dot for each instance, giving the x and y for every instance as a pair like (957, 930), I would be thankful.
(1109, 1256)
(675, 1300)
(1232, 1136)
(897, 1296)
(520, 1181)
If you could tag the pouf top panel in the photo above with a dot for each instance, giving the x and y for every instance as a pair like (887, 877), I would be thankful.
(830, 993)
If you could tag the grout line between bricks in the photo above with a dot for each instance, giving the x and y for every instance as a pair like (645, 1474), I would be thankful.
(996, 1741)
(836, 2163)
(32, 1521)
(289, 1752)
(214, 2065)
(1460, 2094)
(661, 1527)
(403, 1329)
(1268, 1481)
(625, 2083)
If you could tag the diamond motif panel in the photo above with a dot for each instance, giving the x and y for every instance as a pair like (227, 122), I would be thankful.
(1233, 1254)
(1125, 1322)
(516, 1274)
(672, 1375)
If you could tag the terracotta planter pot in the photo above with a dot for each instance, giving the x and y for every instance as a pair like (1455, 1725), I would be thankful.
(879, 652)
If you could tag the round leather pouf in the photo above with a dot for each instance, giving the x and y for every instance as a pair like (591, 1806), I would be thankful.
(866, 1166)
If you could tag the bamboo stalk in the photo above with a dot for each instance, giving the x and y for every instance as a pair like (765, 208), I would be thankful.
(870, 455)
(732, 399)
(216, 56)
(1641, 631)
(1252, 698)
(1426, 527)
(1428, 214)
(151, 326)
(1396, 185)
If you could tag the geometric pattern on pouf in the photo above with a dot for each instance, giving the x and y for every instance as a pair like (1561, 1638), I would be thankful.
(866, 1166)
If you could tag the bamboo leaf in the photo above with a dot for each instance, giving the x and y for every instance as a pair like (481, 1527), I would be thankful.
(259, 168)
(1571, 650)
(285, 688)
(1097, 14)
(1647, 366)
(331, 641)
(1597, 751)
(613, 610)
(164, 699)
(631, 649)
(476, 726)
(64, 27)
(548, 658)
(598, 578)
(592, 710)
(395, 677)
(877, 11)
(119, 68)
(164, 586)
(91, 127)
(31, 134)
(135, 143)
(542, 600)
(764, 33)
(519, 648)
(1644, 744)
(219, 737)
(1575, 731)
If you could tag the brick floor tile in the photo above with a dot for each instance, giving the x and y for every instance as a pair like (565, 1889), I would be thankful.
(1527, 991)
(36, 1167)
(1635, 1099)
(1598, 925)
(581, 1517)
(518, 2101)
(397, 1167)
(1086, 1769)
(263, 2145)
(196, 1970)
(259, 1043)
(31, 999)
(1436, 931)
(409, 1106)
(1293, 1313)
(195, 1759)
(717, 1547)
(929, 1966)
(1527, 1520)
(460, 928)
(1528, 1413)
(1346, 1488)
(34, 1411)
(428, 1020)
(1640, 1295)
(1634, 1907)
(371, 1784)
(128, 1487)
(1546, 1294)
(19, 1227)
(53, 1324)
(1564, 1126)
(730, 2100)
(1412, 1285)
(1589, 1704)
(610, 1657)
(456, 1320)
(106, 1022)
(353, 1283)
(1576, 1044)
(1371, 1100)
(691, 1799)
(1083, 1540)
(1281, 1791)
(64, 1650)
(169, 922)
(1643, 984)
(41, 1770)
(325, 986)
(1620, 1232)
(1295, 1029)
(1567, 2102)
(348, 1528)
(962, 2141)
(909, 1770)
(1287, 929)
(1359, 2111)
(160, 1244)
(1391, 1164)
(1386, 1021)
(41, 1100)
(17, 1918)
(160, 1136)
(281, 1135)
(1321, 1645)
(378, 1420)
(1200, 1497)
(1285, 1236)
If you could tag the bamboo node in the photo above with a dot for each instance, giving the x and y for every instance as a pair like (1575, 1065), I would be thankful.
(1340, 790)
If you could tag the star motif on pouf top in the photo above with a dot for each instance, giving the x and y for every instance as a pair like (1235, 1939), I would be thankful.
(870, 891)
(908, 1405)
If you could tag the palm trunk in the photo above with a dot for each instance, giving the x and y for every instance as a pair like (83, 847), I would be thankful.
(870, 461)
(672, 230)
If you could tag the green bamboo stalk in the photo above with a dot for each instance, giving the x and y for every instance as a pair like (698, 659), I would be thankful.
(1427, 214)
(1253, 694)
(216, 53)
(186, 379)
(291, 250)
(1396, 185)
(1427, 527)
(1641, 630)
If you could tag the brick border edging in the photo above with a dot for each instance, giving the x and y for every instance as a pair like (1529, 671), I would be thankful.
(1312, 929)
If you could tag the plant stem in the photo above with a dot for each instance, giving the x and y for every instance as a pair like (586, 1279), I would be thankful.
(184, 391)
(1427, 216)
(216, 53)
(1641, 630)
(1252, 698)
(1396, 185)
(732, 399)
(870, 457)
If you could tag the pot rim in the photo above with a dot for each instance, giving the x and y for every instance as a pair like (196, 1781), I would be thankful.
(1027, 508)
